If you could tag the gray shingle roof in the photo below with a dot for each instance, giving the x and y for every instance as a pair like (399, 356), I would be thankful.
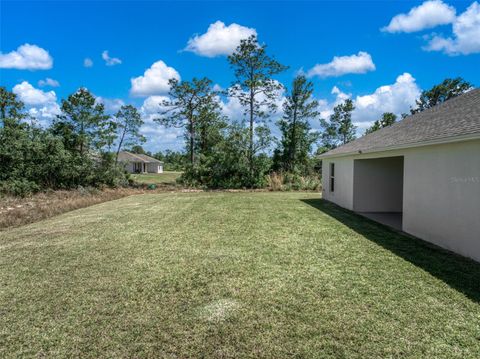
(125, 156)
(459, 116)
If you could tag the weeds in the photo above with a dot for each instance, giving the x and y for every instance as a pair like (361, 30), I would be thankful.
(292, 182)
(16, 211)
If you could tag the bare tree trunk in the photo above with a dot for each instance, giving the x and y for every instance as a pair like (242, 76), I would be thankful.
(294, 139)
(120, 145)
(82, 138)
(192, 143)
(250, 133)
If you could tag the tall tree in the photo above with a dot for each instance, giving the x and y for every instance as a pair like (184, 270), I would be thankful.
(86, 121)
(11, 109)
(187, 106)
(297, 139)
(14, 136)
(387, 119)
(173, 161)
(138, 149)
(210, 125)
(254, 86)
(129, 122)
(340, 130)
(444, 91)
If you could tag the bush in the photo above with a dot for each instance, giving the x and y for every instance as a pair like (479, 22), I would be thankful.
(275, 181)
(88, 191)
(18, 187)
(292, 182)
(33, 159)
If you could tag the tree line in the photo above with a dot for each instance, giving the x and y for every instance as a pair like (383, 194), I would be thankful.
(81, 145)
(234, 152)
(229, 153)
(79, 148)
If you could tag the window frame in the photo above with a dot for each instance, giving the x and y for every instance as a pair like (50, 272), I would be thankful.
(331, 176)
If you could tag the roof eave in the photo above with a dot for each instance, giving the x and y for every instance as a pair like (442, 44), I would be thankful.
(438, 141)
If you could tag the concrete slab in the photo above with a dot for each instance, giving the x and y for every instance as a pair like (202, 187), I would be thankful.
(391, 219)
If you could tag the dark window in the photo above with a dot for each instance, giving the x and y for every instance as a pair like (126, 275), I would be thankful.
(332, 177)
(137, 167)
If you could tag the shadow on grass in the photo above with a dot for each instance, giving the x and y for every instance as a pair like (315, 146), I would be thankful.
(458, 272)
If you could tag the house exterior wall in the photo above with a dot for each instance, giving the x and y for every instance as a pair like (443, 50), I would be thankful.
(150, 167)
(154, 167)
(129, 167)
(343, 193)
(442, 196)
(441, 192)
(378, 185)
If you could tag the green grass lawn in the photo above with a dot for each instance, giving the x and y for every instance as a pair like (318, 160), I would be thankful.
(167, 177)
(229, 275)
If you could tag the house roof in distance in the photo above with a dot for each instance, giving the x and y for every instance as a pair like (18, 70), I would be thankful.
(457, 118)
(125, 156)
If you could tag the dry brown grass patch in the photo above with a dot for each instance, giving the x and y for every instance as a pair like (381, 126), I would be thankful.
(15, 211)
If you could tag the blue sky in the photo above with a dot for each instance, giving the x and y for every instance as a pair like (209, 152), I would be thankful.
(386, 51)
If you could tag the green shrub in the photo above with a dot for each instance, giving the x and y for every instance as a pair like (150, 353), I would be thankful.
(18, 187)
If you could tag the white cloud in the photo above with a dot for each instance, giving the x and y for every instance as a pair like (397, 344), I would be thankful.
(341, 96)
(219, 39)
(29, 95)
(27, 57)
(158, 136)
(111, 105)
(325, 107)
(153, 105)
(154, 81)
(397, 98)
(161, 138)
(341, 65)
(41, 105)
(466, 34)
(87, 62)
(110, 61)
(217, 88)
(325, 110)
(232, 108)
(426, 16)
(48, 82)
(44, 115)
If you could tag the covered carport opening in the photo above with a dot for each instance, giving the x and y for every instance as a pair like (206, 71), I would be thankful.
(378, 189)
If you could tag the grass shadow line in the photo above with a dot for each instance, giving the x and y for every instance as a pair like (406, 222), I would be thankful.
(460, 273)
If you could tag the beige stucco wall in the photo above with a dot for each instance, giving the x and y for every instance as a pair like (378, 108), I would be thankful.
(151, 167)
(343, 194)
(129, 167)
(154, 168)
(378, 185)
(441, 194)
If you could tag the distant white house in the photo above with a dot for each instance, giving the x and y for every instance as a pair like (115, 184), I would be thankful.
(138, 163)
(420, 175)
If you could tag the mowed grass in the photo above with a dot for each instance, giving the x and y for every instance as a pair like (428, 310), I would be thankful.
(231, 275)
(167, 177)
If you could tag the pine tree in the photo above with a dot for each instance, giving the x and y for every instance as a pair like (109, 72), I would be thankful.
(387, 119)
(254, 86)
(128, 121)
(340, 129)
(442, 92)
(299, 107)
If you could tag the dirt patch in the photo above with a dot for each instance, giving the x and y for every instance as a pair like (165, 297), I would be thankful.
(16, 211)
